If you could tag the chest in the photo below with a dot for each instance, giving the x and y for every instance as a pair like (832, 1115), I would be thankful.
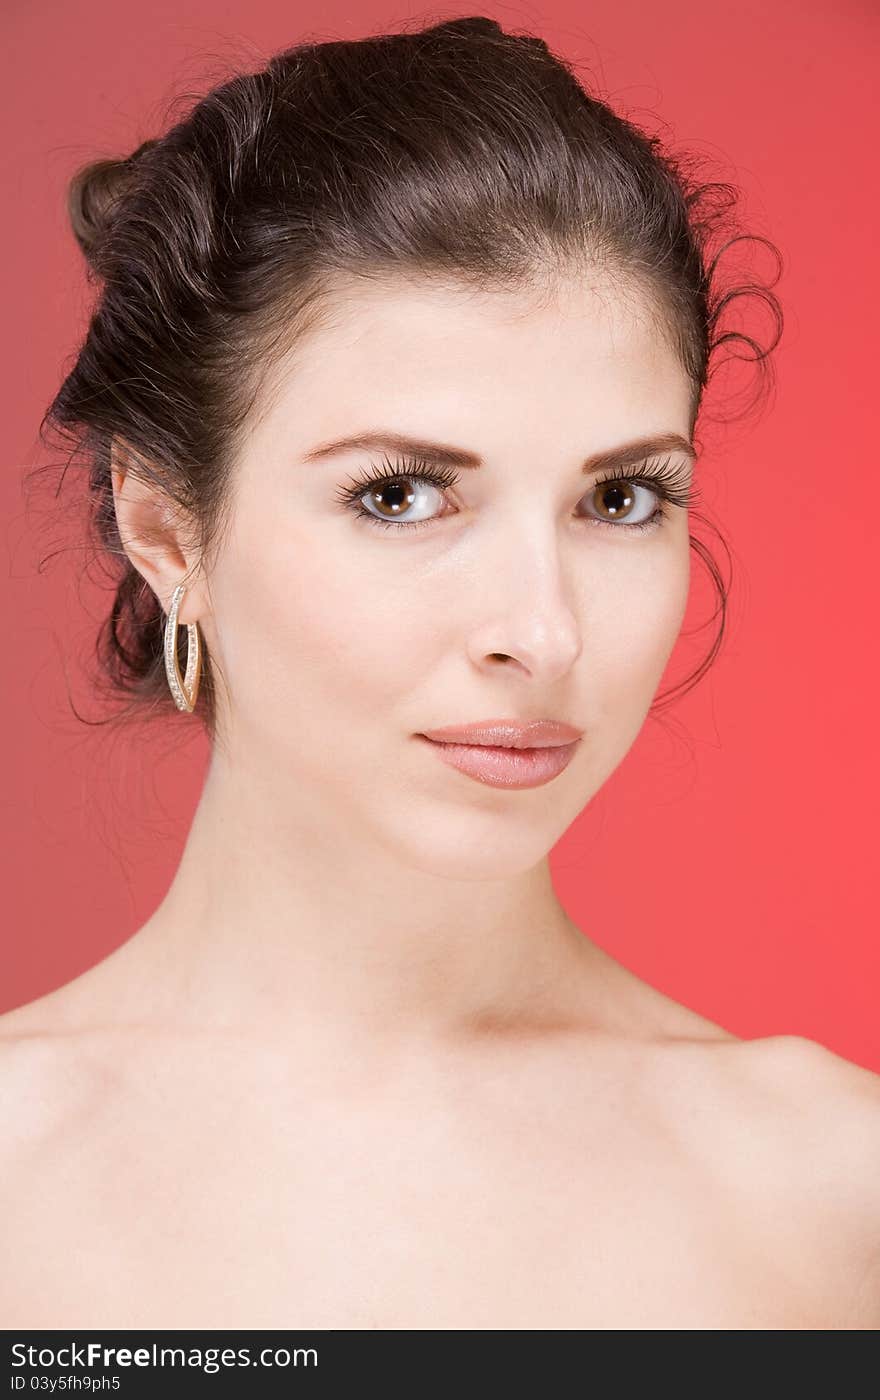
(400, 1217)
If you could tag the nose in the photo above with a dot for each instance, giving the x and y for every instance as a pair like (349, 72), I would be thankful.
(530, 621)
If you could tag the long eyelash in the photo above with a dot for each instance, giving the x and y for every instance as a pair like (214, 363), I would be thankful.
(403, 470)
(667, 478)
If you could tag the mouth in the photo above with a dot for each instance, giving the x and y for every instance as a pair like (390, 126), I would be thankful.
(508, 734)
(502, 765)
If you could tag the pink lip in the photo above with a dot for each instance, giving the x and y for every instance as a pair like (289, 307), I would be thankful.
(508, 734)
(505, 767)
(507, 753)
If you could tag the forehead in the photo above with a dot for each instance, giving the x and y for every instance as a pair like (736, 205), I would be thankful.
(583, 351)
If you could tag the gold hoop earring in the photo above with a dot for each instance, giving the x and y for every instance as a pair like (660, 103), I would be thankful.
(184, 690)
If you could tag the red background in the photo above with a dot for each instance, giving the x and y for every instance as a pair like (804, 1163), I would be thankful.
(731, 859)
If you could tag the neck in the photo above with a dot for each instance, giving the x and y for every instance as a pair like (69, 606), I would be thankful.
(287, 918)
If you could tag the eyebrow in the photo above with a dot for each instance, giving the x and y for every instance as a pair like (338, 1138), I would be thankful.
(628, 454)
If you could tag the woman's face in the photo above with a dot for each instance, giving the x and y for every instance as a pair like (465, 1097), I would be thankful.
(522, 593)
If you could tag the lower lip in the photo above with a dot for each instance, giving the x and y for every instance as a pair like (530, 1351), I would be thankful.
(505, 768)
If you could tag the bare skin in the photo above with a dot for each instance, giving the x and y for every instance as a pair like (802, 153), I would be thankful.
(360, 1069)
(657, 1172)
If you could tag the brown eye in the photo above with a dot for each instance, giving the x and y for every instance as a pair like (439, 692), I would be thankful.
(616, 502)
(386, 498)
(394, 498)
(616, 498)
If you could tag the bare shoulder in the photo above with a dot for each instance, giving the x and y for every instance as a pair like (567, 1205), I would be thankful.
(816, 1149)
(50, 1075)
(50, 1036)
(814, 1089)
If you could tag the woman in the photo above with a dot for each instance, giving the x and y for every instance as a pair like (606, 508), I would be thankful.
(389, 404)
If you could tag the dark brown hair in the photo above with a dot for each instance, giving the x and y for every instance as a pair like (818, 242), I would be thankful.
(459, 152)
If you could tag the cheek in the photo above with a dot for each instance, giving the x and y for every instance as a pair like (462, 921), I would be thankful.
(635, 634)
(312, 633)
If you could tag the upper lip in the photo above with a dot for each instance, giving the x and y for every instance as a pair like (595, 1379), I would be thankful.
(507, 733)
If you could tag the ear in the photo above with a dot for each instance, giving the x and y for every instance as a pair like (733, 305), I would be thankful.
(153, 532)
